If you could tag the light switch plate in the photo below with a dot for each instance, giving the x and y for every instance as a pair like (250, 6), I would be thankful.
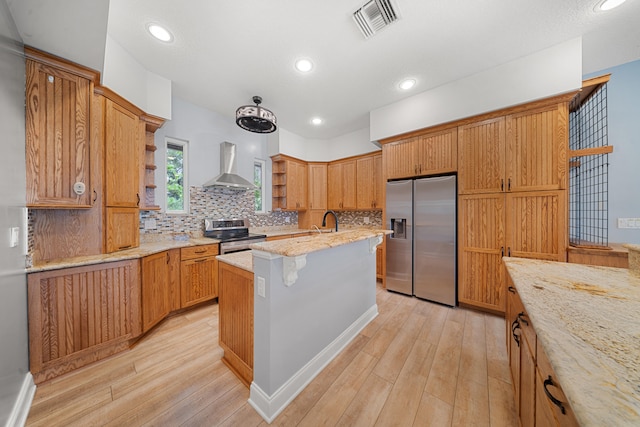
(628, 222)
(262, 291)
(366, 220)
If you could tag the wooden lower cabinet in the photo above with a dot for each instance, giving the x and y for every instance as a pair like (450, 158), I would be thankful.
(236, 320)
(80, 315)
(198, 274)
(531, 372)
(159, 286)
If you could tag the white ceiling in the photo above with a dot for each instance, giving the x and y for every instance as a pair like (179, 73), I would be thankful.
(227, 51)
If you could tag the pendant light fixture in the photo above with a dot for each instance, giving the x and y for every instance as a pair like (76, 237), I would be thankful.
(255, 118)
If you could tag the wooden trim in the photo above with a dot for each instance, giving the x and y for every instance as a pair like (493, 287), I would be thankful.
(600, 80)
(55, 61)
(152, 123)
(589, 87)
(591, 151)
(520, 108)
(111, 95)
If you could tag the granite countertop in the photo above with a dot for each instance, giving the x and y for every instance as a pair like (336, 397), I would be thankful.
(587, 319)
(282, 231)
(145, 249)
(242, 259)
(297, 246)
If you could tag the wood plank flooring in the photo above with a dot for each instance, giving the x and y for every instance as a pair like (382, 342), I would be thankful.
(416, 364)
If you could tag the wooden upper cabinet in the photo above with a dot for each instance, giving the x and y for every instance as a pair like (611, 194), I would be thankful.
(58, 117)
(429, 154)
(122, 164)
(523, 151)
(369, 182)
(289, 183)
(341, 189)
(537, 144)
(317, 186)
(481, 162)
(122, 229)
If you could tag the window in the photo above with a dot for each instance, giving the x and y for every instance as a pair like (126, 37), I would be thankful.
(177, 186)
(259, 181)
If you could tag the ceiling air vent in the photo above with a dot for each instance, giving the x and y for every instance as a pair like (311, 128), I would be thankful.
(374, 16)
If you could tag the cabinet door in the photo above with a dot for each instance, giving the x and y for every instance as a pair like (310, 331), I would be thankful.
(318, 186)
(349, 179)
(300, 185)
(527, 384)
(400, 159)
(481, 245)
(334, 188)
(514, 341)
(57, 137)
(122, 231)
(481, 150)
(174, 279)
(122, 165)
(155, 289)
(76, 314)
(537, 144)
(366, 185)
(437, 152)
(548, 412)
(378, 178)
(198, 281)
(536, 225)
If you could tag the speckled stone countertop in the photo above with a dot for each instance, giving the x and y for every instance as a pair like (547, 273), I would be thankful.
(587, 319)
(297, 246)
(242, 259)
(143, 250)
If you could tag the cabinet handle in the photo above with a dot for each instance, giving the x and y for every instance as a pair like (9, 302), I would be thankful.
(509, 251)
(201, 251)
(555, 401)
(168, 257)
(200, 260)
(514, 326)
(124, 247)
(138, 196)
(502, 184)
(509, 184)
(501, 251)
(95, 193)
(415, 169)
(511, 289)
(521, 318)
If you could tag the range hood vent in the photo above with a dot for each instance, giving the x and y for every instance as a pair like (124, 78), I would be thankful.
(374, 16)
(228, 171)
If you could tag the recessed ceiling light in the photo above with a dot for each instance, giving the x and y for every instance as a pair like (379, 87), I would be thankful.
(316, 121)
(304, 65)
(160, 32)
(407, 84)
(609, 4)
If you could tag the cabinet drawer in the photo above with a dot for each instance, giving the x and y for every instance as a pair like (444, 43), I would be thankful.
(548, 412)
(199, 251)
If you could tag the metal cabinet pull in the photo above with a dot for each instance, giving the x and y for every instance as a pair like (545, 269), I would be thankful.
(138, 196)
(509, 185)
(555, 401)
(201, 251)
(511, 289)
(124, 247)
(501, 251)
(95, 193)
(502, 184)
(168, 257)
(514, 326)
(521, 318)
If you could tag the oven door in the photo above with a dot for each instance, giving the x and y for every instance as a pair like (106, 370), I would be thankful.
(237, 245)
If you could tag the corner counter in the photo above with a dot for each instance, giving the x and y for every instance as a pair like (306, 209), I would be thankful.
(587, 319)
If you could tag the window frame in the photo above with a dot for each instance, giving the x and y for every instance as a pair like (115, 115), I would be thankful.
(263, 192)
(170, 141)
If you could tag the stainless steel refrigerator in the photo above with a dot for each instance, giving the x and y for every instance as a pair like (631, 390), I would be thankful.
(421, 252)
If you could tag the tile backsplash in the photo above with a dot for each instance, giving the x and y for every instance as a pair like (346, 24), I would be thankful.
(214, 202)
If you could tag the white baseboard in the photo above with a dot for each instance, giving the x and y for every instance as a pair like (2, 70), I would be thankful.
(20, 411)
(270, 406)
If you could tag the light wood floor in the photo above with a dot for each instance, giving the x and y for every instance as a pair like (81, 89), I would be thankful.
(417, 364)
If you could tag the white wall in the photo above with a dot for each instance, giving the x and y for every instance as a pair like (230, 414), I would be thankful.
(128, 78)
(546, 73)
(205, 130)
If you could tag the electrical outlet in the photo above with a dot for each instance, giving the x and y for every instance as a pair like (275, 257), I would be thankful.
(262, 291)
(14, 236)
(366, 220)
(287, 219)
(628, 222)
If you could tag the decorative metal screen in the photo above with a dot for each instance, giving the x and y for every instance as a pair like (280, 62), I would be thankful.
(588, 173)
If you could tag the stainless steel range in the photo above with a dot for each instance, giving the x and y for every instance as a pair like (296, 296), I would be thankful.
(233, 234)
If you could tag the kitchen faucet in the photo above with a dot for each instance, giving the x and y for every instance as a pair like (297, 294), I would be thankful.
(324, 218)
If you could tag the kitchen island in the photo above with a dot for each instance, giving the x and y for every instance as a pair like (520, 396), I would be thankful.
(587, 320)
(312, 296)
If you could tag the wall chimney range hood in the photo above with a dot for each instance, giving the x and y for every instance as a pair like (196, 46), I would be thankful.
(228, 171)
